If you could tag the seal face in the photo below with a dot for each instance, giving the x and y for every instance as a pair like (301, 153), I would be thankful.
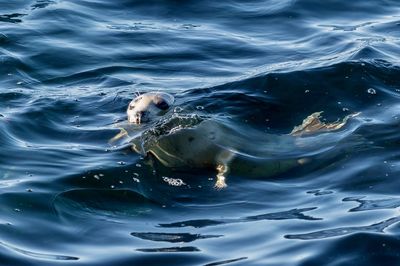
(145, 106)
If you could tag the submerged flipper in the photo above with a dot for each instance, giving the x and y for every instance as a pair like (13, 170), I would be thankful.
(123, 133)
(312, 124)
(224, 158)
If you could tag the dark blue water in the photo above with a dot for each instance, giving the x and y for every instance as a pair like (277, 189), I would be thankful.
(69, 68)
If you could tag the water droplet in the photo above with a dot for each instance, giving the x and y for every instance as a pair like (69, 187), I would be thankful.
(138, 165)
(306, 91)
(199, 107)
(178, 109)
(371, 91)
(96, 177)
(121, 163)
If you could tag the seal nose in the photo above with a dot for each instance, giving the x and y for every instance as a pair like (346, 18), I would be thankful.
(139, 117)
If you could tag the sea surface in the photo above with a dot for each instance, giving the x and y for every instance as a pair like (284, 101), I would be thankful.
(68, 196)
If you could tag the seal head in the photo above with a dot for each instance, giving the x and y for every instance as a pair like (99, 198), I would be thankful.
(148, 105)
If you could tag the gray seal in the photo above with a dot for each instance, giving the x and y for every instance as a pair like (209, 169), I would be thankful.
(197, 142)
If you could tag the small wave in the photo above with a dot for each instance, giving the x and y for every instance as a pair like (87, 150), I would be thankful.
(286, 215)
(39, 255)
(172, 238)
(12, 18)
(169, 249)
(341, 231)
(222, 262)
(368, 205)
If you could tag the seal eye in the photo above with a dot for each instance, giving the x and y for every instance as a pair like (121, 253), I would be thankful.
(161, 104)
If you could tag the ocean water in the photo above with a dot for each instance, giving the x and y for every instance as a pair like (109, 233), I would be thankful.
(69, 68)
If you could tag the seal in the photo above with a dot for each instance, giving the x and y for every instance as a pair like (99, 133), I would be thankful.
(184, 142)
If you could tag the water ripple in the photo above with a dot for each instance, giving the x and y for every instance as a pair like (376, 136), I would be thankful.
(341, 231)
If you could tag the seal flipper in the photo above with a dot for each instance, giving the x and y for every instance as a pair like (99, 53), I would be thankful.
(123, 133)
(313, 124)
(223, 159)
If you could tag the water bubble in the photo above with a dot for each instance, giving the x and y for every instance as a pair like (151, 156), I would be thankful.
(96, 177)
(121, 163)
(199, 107)
(173, 181)
(121, 182)
(112, 186)
(306, 91)
(178, 109)
(136, 180)
(138, 165)
(371, 91)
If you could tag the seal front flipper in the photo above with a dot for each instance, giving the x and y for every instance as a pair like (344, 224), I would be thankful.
(222, 170)
(122, 134)
(223, 159)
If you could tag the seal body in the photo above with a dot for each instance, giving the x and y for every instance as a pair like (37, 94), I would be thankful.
(212, 145)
